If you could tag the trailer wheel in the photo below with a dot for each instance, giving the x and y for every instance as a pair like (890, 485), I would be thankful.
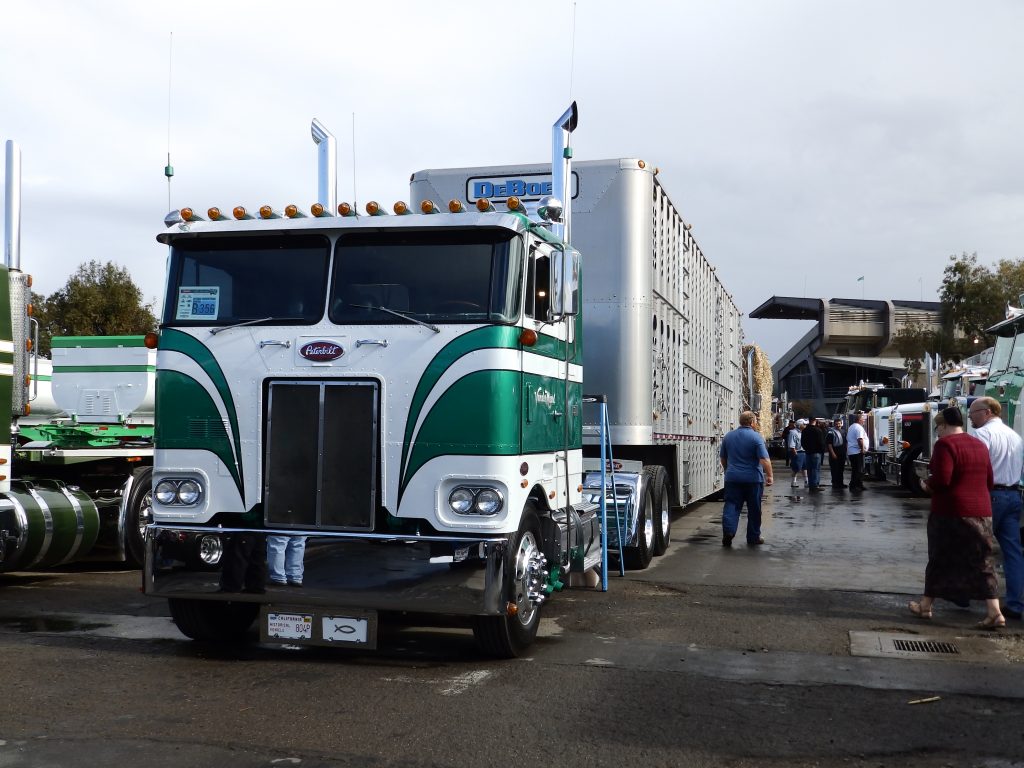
(507, 636)
(662, 509)
(211, 621)
(638, 556)
(139, 515)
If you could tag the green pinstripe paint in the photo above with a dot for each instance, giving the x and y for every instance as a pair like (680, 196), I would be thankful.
(103, 342)
(542, 432)
(487, 337)
(179, 399)
(472, 418)
(176, 341)
(104, 368)
(6, 357)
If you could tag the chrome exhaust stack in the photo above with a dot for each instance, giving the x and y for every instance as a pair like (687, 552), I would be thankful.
(327, 167)
(12, 209)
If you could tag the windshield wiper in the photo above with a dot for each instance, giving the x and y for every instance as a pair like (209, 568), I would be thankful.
(215, 331)
(402, 315)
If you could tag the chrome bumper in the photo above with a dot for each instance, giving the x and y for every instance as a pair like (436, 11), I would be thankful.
(421, 574)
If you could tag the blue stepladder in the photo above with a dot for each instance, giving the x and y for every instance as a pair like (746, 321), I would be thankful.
(607, 481)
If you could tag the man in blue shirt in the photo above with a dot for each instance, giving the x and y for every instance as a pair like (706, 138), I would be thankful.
(747, 470)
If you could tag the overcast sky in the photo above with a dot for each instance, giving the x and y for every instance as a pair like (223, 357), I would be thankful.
(809, 142)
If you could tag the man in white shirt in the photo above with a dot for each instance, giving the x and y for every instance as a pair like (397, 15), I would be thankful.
(1006, 450)
(795, 452)
(856, 444)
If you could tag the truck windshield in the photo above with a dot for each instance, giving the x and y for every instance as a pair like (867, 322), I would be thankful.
(218, 281)
(449, 276)
(1001, 355)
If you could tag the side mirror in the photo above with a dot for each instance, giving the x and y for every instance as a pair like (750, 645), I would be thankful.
(564, 283)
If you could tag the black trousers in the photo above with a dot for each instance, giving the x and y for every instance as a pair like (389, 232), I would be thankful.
(836, 467)
(856, 471)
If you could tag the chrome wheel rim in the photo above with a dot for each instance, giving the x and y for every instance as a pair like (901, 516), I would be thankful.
(665, 518)
(530, 576)
(145, 513)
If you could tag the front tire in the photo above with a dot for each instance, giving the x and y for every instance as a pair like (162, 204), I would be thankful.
(139, 514)
(507, 636)
(213, 621)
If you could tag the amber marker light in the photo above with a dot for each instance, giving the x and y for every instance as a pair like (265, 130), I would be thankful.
(641, 164)
(400, 208)
(291, 211)
(527, 337)
(316, 209)
(187, 214)
(151, 339)
(514, 203)
(427, 206)
(28, 345)
(28, 381)
(29, 310)
(2, 462)
(344, 209)
(372, 207)
(28, 409)
(484, 205)
(213, 213)
(523, 483)
(266, 212)
(551, 495)
(238, 212)
(455, 206)
(28, 281)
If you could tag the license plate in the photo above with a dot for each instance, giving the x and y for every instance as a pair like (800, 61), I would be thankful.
(290, 626)
(345, 629)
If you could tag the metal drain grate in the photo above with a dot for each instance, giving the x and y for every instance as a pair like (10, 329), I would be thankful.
(924, 646)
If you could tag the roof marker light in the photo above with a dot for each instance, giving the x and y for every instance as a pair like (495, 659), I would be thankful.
(318, 210)
(484, 205)
(515, 204)
(187, 214)
(240, 213)
(293, 212)
(344, 209)
(373, 208)
(266, 212)
(455, 206)
(215, 214)
(401, 209)
(427, 206)
(151, 339)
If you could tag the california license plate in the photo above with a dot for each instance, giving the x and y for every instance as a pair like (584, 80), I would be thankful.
(290, 626)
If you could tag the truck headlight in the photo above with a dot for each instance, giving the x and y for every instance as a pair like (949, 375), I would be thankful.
(467, 500)
(461, 501)
(166, 492)
(178, 491)
(189, 492)
(488, 502)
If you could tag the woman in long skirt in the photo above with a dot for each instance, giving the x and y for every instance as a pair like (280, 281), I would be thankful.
(960, 566)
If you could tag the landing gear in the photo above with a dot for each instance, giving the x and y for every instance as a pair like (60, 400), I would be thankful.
(508, 635)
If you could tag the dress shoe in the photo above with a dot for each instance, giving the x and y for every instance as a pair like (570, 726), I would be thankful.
(756, 542)
(726, 540)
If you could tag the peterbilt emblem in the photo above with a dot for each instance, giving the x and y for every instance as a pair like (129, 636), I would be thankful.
(321, 351)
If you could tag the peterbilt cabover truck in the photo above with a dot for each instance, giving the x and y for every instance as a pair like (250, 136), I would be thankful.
(75, 471)
(406, 392)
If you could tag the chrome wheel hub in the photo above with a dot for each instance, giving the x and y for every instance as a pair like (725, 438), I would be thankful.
(530, 578)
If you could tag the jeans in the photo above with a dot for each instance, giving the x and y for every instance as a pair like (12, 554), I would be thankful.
(285, 556)
(1006, 507)
(813, 470)
(736, 494)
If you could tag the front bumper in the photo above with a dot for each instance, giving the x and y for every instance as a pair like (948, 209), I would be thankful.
(421, 574)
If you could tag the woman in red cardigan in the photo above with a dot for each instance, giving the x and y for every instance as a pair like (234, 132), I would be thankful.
(960, 564)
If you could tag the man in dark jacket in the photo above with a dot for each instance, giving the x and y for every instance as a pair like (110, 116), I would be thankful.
(836, 452)
(813, 442)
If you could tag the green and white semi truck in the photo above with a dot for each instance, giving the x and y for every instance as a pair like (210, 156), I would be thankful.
(404, 392)
(75, 472)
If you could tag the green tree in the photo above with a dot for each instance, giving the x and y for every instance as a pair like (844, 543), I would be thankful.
(97, 300)
(974, 298)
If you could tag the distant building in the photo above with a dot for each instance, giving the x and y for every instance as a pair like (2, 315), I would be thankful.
(853, 341)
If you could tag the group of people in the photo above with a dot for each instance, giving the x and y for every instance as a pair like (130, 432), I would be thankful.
(974, 481)
(808, 442)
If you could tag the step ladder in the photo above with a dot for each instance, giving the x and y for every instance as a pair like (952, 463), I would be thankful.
(601, 486)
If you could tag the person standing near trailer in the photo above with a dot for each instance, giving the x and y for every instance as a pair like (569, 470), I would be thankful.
(856, 444)
(836, 452)
(748, 469)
